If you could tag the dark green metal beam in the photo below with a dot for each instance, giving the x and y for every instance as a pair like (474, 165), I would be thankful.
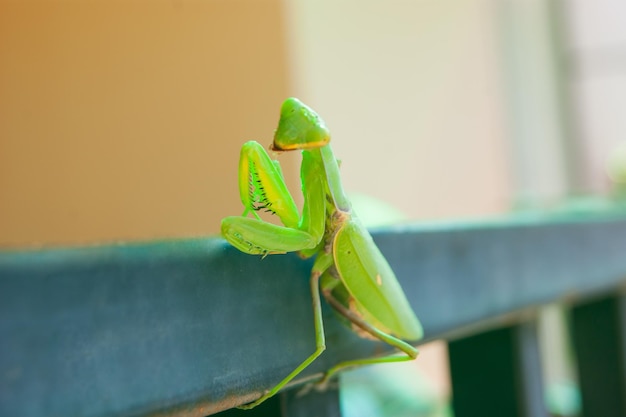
(191, 327)
(599, 333)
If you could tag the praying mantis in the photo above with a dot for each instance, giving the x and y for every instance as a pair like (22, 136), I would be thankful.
(349, 270)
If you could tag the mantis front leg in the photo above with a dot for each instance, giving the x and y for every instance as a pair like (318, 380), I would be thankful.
(262, 187)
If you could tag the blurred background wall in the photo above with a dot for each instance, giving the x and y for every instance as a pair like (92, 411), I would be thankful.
(412, 91)
(596, 53)
(123, 120)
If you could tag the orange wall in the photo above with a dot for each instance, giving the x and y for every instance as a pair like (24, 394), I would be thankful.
(123, 120)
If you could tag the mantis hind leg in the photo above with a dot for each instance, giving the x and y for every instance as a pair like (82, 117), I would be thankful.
(321, 264)
(360, 362)
(410, 351)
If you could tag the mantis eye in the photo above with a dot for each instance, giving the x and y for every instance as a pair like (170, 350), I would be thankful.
(299, 127)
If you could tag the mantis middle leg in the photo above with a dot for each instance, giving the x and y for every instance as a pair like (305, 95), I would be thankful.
(321, 264)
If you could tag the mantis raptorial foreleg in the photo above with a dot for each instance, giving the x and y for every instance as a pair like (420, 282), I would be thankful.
(262, 187)
(256, 237)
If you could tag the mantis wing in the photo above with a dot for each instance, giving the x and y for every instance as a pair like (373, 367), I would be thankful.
(371, 282)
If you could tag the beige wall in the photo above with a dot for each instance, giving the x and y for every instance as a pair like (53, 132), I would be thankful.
(123, 119)
(412, 92)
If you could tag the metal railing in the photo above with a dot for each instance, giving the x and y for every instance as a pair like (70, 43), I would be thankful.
(193, 327)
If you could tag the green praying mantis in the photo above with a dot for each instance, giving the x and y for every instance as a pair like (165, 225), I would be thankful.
(349, 269)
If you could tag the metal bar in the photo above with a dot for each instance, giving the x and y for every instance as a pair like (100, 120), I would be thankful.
(483, 375)
(312, 404)
(529, 370)
(497, 373)
(598, 329)
(193, 327)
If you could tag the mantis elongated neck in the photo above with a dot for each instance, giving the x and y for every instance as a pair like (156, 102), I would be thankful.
(333, 178)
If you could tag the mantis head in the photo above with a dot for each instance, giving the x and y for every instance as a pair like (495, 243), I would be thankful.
(299, 127)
